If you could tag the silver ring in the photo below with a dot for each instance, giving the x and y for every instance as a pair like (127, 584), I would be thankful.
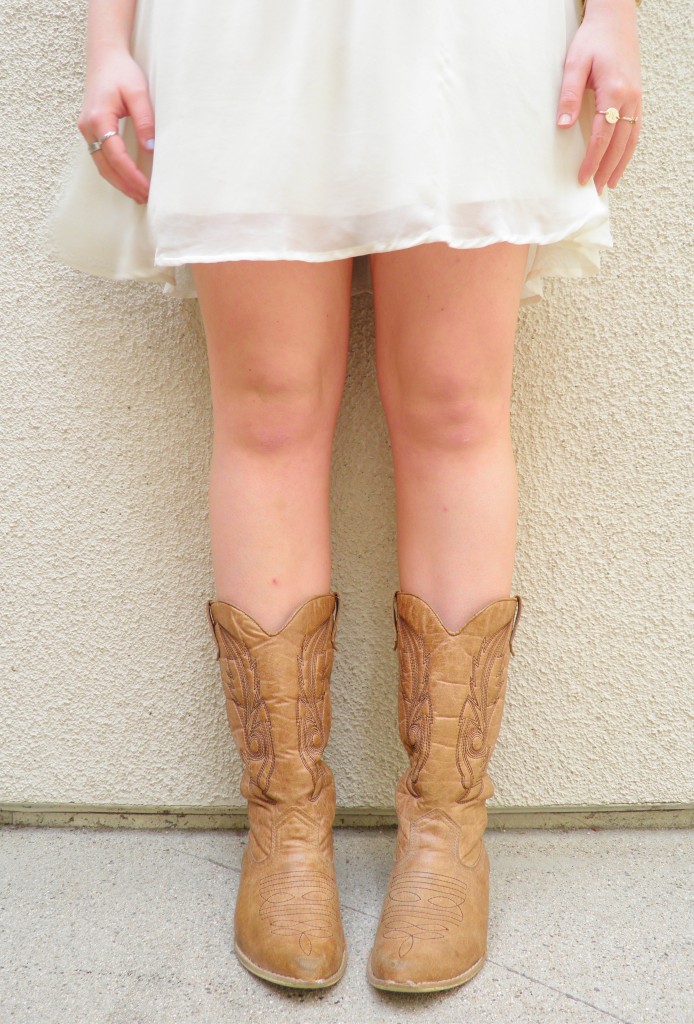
(92, 147)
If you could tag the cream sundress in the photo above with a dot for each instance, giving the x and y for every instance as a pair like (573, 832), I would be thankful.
(322, 129)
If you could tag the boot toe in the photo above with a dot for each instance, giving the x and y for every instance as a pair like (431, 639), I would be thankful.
(287, 964)
(288, 928)
(422, 970)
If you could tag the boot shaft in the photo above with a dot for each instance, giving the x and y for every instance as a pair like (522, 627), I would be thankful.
(451, 698)
(277, 690)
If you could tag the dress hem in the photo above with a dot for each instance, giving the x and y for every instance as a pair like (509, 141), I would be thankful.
(365, 249)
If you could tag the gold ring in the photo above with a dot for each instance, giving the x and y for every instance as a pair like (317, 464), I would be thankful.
(612, 115)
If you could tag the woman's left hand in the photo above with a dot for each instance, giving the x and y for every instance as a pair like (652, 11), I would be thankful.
(604, 56)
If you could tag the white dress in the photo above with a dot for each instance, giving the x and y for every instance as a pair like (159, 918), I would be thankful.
(322, 129)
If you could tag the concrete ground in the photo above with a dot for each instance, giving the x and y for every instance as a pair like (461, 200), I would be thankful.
(132, 927)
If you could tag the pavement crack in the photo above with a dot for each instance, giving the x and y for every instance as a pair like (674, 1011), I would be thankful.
(210, 860)
(560, 991)
(356, 910)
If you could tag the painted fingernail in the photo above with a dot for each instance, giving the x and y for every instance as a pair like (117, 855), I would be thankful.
(149, 143)
(564, 119)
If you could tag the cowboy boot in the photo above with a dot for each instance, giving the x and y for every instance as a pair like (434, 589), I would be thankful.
(432, 933)
(287, 921)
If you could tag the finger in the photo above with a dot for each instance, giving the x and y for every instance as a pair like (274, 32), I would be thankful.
(600, 138)
(120, 161)
(93, 125)
(614, 152)
(142, 114)
(113, 178)
(628, 152)
(572, 89)
(610, 92)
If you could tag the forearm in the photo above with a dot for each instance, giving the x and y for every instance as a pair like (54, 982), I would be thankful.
(109, 27)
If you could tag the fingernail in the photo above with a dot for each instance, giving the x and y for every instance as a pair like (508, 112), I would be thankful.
(564, 119)
(149, 143)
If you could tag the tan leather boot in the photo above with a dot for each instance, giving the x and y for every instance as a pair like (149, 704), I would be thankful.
(288, 927)
(432, 932)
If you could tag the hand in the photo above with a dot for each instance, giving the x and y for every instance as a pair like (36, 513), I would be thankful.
(117, 87)
(604, 56)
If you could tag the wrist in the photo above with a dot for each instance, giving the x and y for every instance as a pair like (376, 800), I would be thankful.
(109, 29)
(610, 5)
(100, 54)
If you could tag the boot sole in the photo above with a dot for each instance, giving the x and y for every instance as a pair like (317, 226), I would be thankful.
(286, 980)
(425, 986)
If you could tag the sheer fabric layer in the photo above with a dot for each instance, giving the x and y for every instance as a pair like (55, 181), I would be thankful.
(324, 129)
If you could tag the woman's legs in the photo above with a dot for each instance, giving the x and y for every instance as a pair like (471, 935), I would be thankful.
(277, 339)
(445, 329)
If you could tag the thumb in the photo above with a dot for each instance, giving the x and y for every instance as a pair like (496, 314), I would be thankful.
(142, 114)
(572, 89)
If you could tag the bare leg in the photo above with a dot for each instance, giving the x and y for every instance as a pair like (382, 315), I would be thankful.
(445, 330)
(277, 339)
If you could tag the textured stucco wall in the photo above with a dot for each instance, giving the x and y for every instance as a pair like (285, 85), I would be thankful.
(108, 684)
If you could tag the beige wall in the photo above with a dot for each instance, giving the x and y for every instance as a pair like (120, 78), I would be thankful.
(109, 685)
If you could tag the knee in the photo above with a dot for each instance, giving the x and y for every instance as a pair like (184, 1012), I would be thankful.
(271, 411)
(450, 413)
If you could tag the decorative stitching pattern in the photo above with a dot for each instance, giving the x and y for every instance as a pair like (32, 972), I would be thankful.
(422, 905)
(315, 662)
(241, 682)
(486, 689)
(302, 903)
(416, 712)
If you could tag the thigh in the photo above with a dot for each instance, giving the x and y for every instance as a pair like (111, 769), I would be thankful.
(446, 318)
(275, 326)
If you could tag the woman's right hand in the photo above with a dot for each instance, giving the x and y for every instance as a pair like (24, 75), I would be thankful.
(117, 88)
